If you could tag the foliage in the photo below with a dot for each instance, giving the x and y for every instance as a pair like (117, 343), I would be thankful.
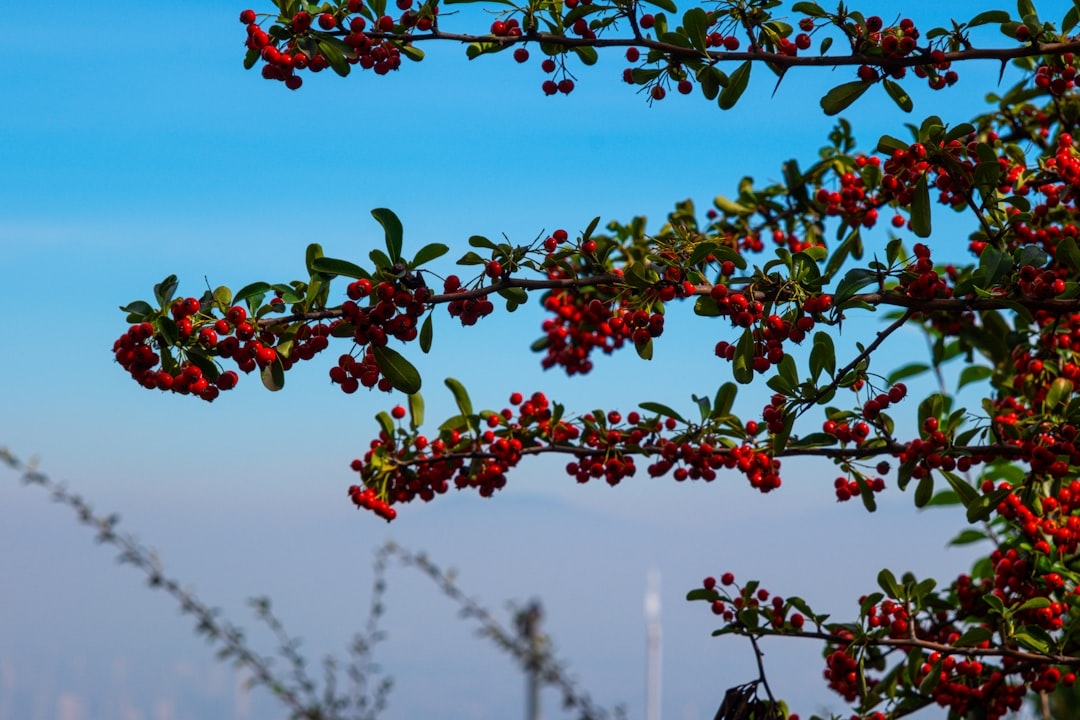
(977, 645)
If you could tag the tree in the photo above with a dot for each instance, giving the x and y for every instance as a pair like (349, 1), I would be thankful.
(979, 644)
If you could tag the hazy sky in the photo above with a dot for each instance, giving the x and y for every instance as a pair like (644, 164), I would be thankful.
(135, 146)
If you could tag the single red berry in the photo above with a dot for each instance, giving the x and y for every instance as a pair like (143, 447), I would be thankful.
(398, 412)
(247, 17)
(521, 55)
(548, 65)
(494, 269)
(647, 21)
(727, 578)
(633, 54)
(658, 92)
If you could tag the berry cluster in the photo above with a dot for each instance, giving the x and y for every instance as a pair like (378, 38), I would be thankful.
(852, 202)
(469, 310)
(197, 337)
(368, 499)
(300, 45)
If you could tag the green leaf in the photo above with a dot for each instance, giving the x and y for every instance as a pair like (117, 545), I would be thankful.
(645, 352)
(461, 396)
(428, 253)
(1068, 254)
(586, 53)
(854, 281)
(966, 537)
(988, 17)
(696, 24)
(333, 266)
(394, 232)
(139, 307)
(250, 292)
(273, 376)
(1035, 603)
(1029, 639)
(416, 410)
(924, 490)
(809, 8)
(973, 636)
(742, 364)
(737, 83)
(898, 94)
(411, 51)
(724, 400)
(395, 368)
(887, 144)
(967, 494)
(843, 95)
(479, 241)
(920, 209)
(665, 5)
(973, 373)
(425, 334)
(659, 409)
(887, 582)
(164, 291)
(1060, 390)
(822, 356)
(906, 371)
(333, 54)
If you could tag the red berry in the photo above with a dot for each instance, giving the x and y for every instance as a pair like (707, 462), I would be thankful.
(727, 578)
(494, 269)
(647, 21)
(398, 412)
(521, 55)
(247, 17)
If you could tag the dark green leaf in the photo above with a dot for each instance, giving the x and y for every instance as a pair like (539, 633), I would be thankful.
(724, 400)
(966, 537)
(920, 208)
(428, 253)
(425, 334)
(394, 232)
(665, 5)
(963, 490)
(973, 373)
(410, 51)
(924, 490)
(164, 291)
(907, 371)
(854, 281)
(743, 363)
(737, 83)
(696, 24)
(333, 266)
(973, 636)
(333, 54)
(990, 16)
(660, 409)
(842, 96)
(898, 94)
(586, 53)
(416, 410)
(887, 582)
(249, 292)
(273, 375)
(399, 371)
(809, 8)
(461, 396)
(887, 144)
(645, 351)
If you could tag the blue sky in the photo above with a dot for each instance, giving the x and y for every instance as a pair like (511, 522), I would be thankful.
(136, 146)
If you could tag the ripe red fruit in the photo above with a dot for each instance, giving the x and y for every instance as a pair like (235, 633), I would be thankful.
(588, 247)
(549, 87)
(398, 412)
(633, 54)
(566, 86)
(686, 87)
(658, 92)
(327, 21)
(494, 269)
(727, 578)
(385, 24)
(247, 17)
(647, 21)
(548, 66)
(709, 583)
(521, 55)
(731, 43)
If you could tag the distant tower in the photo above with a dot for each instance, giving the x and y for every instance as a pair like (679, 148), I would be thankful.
(652, 646)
